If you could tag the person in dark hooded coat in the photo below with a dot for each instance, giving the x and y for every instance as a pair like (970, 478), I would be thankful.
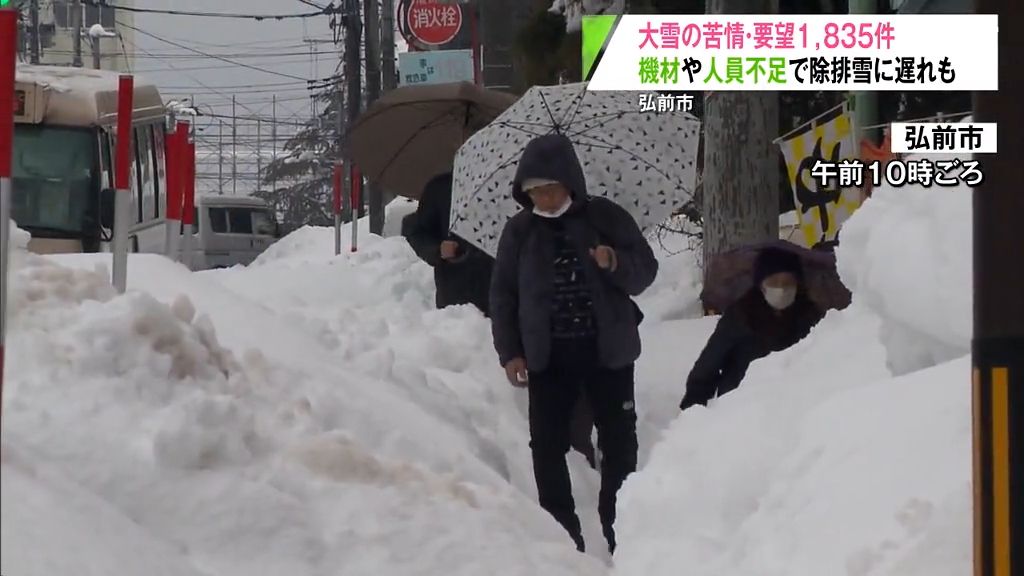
(462, 272)
(772, 316)
(564, 323)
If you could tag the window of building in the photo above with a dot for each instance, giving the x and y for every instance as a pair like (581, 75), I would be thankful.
(63, 11)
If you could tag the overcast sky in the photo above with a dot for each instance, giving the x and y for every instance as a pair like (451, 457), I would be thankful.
(280, 47)
(276, 46)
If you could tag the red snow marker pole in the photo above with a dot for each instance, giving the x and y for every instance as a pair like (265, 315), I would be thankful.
(8, 47)
(357, 188)
(188, 187)
(122, 180)
(337, 207)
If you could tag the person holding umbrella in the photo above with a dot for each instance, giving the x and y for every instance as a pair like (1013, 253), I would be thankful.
(564, 323)
(462, 273)
(773, 315)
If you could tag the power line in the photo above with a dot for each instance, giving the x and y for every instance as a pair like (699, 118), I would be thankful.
(315, 5)
(179, 56)
(233, 86)
(269, 44)
(196, 80)
(182, 46)
(238, 16)
(222, 67)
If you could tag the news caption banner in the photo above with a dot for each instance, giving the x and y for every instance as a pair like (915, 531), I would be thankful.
(934, 138)
(666, 56)
(791, 52)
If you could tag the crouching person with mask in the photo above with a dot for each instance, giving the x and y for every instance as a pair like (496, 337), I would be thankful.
(774, 315)
(564, 323)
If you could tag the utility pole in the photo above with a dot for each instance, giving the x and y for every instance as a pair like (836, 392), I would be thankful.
(96, 57)
(741, 184)
(259, 152)
(353, 80)
(339, 113)
(234, 146)
(865, 104)
(273, 141)
(76, 30)
(373, 66)
(220, 158)
(387, 41)
(998, 344)
(34, 47)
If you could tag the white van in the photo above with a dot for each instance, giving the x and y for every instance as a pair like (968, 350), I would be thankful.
(231, 230)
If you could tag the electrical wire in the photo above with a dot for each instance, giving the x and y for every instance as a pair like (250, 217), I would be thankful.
(238, 16)
(196, 80)
(180, 56)
(313, 4)
(184, 47)
(270, 43)
(234, 86)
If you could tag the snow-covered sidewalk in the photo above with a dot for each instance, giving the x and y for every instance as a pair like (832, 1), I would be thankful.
(313, 414)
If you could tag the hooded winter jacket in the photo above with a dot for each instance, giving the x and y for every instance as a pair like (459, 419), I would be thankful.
(747, 331)
(522, 287)
(467, 278)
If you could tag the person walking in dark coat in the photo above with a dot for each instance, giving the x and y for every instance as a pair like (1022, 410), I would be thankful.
(564, 323)
(772, 316)
(462, 272)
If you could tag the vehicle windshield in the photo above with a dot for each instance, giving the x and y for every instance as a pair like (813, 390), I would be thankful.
(258, 221)
(54, 176)
(263, 223)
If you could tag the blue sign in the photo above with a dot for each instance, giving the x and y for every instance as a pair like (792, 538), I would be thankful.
(435, 67)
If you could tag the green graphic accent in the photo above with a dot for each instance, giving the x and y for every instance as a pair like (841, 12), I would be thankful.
(597, 31)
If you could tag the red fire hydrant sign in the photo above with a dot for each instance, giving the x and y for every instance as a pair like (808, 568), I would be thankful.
(433, 22)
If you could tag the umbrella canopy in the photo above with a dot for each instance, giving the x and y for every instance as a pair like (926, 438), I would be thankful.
(731, 274)
(644, 161)
(411, 134)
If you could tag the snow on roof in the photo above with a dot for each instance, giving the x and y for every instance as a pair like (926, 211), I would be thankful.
(218, 200)
(66, 78)
(84, 97)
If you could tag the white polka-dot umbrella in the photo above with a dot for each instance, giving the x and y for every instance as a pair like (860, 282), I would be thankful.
(644, 161)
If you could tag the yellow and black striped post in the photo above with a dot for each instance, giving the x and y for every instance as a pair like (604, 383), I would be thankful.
(998, 346)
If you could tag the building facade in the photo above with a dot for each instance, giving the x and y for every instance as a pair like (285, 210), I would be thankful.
(57, 34)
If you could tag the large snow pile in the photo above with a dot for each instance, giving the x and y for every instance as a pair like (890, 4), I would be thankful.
(313, 414)
(274, 420)
(44, 513)
(823, 462)
(907, 256)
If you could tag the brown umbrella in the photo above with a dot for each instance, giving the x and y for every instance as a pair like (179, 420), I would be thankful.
(411, 134)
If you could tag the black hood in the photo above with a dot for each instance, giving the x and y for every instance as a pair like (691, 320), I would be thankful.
(551, 157)
(439, 185)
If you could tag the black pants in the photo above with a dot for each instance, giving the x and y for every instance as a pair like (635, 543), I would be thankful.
(573, 370)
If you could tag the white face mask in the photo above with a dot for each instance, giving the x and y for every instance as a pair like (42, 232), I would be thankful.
(779, 298)
(557, 213)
